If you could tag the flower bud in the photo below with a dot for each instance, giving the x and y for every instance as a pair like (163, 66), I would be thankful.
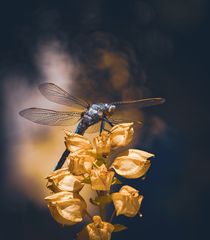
(80, 162)
(132, 163)
(121, 135)
(67, 208)
(102, 144)
(99, 230)
(127, 201)
(101, 178)
(63, 180)
(76, 142)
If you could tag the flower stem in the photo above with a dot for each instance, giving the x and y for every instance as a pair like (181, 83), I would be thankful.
(88, 214)
(112, 216)
(102, 208)
(95, 165)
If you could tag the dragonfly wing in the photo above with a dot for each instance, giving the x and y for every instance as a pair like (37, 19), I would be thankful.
(141, 102)
(50, 117)
(115, 121)
(56, 94)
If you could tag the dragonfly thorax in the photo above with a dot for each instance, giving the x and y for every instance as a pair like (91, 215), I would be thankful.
(102, 109)
(111, 108)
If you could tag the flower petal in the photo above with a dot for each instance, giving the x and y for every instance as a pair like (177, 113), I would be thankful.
(80, 162)
(66, 208)
(75, 142)
(132, 163)
(102, 144)
(101, 178)
(121, 135)
(63, 180)
(127, 201)
(99, 230)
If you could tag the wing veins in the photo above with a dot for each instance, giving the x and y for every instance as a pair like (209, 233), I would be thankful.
(56, 94)
(50, 117)
(141, 102)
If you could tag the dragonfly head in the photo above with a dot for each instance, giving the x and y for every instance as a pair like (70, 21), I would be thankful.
(111, 109)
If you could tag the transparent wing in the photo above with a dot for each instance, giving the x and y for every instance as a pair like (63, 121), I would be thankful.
(115, 121)
(56, 94)
(141, 102)
(50, 117)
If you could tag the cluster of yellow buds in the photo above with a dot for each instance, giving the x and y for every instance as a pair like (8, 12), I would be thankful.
(98, 164)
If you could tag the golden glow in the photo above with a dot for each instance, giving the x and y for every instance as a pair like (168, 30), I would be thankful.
(118, 67)
(34, 149)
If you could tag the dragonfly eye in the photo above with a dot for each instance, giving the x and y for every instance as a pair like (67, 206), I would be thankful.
(111, 109)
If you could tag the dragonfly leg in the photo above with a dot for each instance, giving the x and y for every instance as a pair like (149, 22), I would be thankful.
(107, 120)
(106, 130)
(102, 126)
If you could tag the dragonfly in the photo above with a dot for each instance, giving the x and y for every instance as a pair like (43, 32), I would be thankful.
(88, 117)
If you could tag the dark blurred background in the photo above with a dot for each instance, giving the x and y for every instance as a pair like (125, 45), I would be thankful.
(118, 50)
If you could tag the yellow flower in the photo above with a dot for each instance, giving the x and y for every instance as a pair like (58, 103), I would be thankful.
(132, 163)
(80, 162)
(63, 180)
(102, 144)
(127, 201)
(67, 208)
(121, 135)
(76, 142)
(99, 230)
(101, 178)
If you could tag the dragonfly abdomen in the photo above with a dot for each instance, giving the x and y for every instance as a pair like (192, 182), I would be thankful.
(81, 129)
